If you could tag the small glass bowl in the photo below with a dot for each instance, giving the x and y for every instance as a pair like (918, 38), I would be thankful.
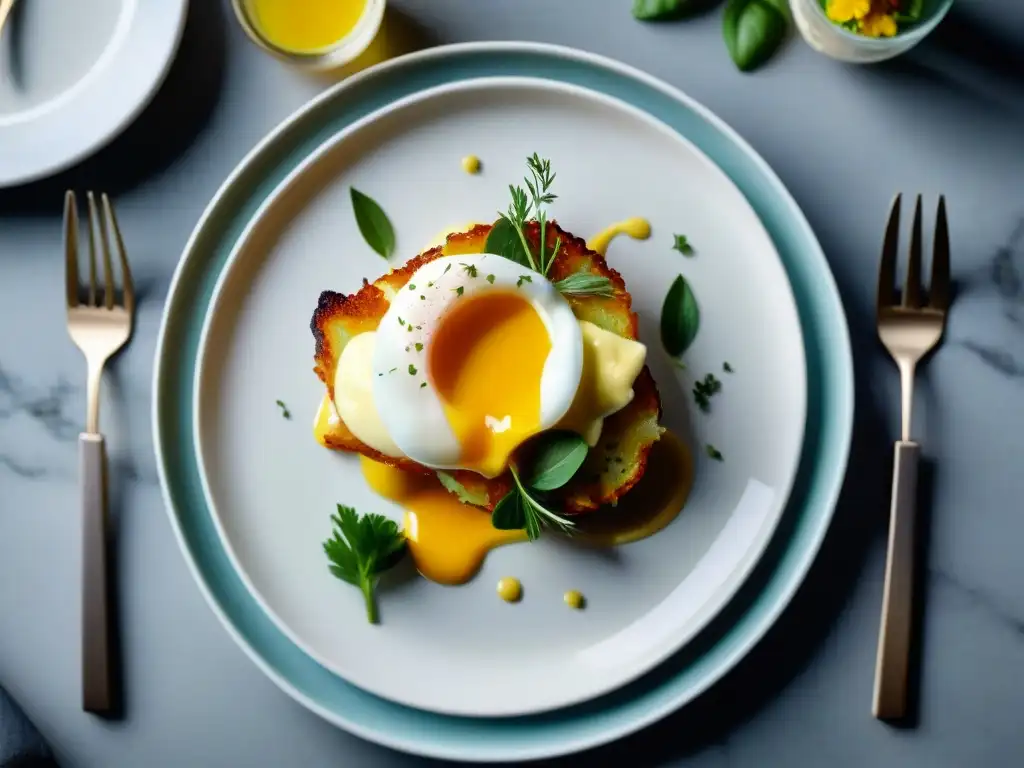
(334, 56)
(827, 37)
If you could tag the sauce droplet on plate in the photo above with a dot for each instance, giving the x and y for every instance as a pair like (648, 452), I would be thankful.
(649, 506)
(574, 599)
(448, 540)
(510, 589)
(471, 164)
(638, 228)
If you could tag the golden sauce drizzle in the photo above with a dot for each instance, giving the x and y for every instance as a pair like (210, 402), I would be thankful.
(448, 540)
(638, 228)
(326, 421)
(651, 505)
(574, 599)
(471, 164)
(510, 589)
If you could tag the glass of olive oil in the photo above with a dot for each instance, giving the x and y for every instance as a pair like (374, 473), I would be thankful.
(313, 34)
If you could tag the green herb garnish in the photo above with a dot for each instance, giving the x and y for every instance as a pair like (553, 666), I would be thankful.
(361, 549)
(373, 223)
(419, 346)
(556, 457)
(523, 279)
(412, 369)
(470, 269)
(753, 31)
(680, 318)
(658, 10)
(459, 290)
(284, 409)
(726, 367)
(713, 452)
(584, 284)
(683, 245)
(704, 390)
(490, 279)
(501, 242)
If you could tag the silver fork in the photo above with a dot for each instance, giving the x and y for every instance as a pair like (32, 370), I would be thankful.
(100, 324)
(909, 328)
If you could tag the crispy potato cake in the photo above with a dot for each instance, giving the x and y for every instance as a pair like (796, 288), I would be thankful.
(612, 467)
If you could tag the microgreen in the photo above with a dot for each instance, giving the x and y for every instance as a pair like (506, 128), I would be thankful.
(362, 548)
(704, 389)
(284, 409)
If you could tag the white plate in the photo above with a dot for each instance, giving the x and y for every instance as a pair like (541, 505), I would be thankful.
(272, 488)
(73, 75)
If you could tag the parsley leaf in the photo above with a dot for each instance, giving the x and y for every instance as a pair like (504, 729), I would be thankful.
(362, 548)
(683, 245)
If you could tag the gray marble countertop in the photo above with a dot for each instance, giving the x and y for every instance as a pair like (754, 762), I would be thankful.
(948, 118)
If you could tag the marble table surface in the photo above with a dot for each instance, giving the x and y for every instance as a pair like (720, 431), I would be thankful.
(949, 119)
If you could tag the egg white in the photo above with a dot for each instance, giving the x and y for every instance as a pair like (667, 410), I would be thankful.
(405, 398)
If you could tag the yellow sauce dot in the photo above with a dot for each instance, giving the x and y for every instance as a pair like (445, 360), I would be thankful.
(510, 589)
(471, 164)
(574, 599)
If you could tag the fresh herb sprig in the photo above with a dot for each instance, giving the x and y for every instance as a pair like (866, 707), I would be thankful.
(361, 549)
(555, 459)
(508, 235)
(585, 284)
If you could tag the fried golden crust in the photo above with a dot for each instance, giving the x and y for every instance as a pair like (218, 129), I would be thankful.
(612, 468)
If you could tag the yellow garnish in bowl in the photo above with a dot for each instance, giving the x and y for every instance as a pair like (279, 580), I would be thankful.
(878, 25)
(841, 11)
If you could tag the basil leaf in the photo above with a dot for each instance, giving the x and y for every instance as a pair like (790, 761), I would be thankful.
(509, 513)
(373, 223)
(556, 458)
(680, 318)
(753, 31)
(503, 240)
(658, 10)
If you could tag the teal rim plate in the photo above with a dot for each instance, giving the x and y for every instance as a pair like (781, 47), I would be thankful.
(722, 643)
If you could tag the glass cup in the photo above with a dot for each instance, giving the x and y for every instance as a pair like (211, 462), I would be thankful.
(827, 37)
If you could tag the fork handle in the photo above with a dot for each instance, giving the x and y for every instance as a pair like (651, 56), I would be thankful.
(97, 659)
(893, 659)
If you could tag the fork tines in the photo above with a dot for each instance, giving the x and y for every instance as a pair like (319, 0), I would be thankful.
(103, 229)
(912, 296)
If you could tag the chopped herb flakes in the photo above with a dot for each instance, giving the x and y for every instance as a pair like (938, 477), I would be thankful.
(419, 347)
(490, 279)
(683, 245)
(713, 452)
(470, 269)
(705, 389)
(459, 290)
(412, 369)
(726, 367)
(284, 409)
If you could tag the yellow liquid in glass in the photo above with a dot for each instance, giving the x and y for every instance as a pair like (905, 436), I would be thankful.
(305, 26)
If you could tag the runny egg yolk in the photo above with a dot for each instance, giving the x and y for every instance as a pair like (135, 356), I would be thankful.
(486, 360)
(448, 540)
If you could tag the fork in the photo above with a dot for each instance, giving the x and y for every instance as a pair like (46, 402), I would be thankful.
(99, 323)
(909, 328)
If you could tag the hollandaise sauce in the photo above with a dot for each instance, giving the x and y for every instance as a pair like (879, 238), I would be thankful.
(471, 164)
(510, 589)
(304, 26)
(636, 228)
(448, 540)
(574, 599)
(649, 506)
